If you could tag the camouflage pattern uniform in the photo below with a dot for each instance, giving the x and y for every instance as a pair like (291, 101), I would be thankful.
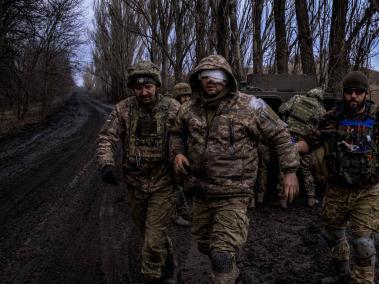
(223, 156)
(181, 89)
(143, 134)
(351, 143)
(261, 184)
(183, 210)
(302, 113)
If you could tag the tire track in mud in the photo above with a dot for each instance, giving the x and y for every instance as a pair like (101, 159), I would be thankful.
(41, 207)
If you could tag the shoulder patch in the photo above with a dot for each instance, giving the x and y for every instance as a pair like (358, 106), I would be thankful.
(257, 104)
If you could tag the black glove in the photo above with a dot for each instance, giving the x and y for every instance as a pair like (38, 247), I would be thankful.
(109, 175)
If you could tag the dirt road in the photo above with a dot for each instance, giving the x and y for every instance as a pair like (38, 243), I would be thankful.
(60, 224)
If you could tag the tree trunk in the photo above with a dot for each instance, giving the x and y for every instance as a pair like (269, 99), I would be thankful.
(337, 53)
(200, 24)
(179, 41)
(257, 38)
(280, 37)
(305, 38)
(221, 15)
(154, 52)
(235, 41)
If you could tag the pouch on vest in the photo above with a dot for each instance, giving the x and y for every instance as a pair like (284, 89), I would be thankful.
(352, 158)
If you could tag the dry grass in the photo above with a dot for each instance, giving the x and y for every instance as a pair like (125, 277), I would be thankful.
(9, 121)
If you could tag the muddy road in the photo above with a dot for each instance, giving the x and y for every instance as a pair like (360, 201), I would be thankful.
(60, 224)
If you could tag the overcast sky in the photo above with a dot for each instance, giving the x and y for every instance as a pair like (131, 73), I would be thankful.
(86, 56)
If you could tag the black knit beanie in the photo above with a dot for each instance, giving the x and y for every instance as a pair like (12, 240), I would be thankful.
(355, 80)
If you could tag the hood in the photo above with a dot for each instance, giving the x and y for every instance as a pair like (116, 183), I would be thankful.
(212, 62)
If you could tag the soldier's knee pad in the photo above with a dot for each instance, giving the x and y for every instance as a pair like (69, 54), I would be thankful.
(364, 247)
(222, 261)
(333, 236)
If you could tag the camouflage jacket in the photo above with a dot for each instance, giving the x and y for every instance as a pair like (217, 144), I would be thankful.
(145, 160)
(223, 155)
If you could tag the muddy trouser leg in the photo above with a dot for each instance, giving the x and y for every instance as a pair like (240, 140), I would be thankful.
(157, 209)
(201, 224)
(261, 183)
(309, 181)
(364, 223)
(335, 215)
(182, 204)
(228, 235)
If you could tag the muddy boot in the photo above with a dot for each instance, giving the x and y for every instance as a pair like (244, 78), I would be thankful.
(151, 280)
(311, 201)
(260, 196)
(252, 203)
(283, 203)
(225, 278)
(180, 221)
(169, 272)
(341, 275)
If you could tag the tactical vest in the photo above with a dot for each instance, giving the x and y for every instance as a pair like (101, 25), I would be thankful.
(147, 134)
(352, 157)
(304, 115)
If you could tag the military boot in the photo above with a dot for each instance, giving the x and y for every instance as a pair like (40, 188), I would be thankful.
(260, 196)
(341, 275)
(311, 201)
(170, 272)
(225, 278)
(151, 280)
(283, 203)
(252, 203)
(180, 221)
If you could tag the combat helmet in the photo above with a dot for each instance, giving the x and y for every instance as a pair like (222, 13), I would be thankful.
(317, 93)
(142, 72)
(181, 89)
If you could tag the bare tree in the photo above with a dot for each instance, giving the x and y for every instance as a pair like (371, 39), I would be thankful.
(38, 40)
(200, 13)
(280, 36)
(257, 38)
(337, 64)
(305, 38)
(235, 59)
(220, 17)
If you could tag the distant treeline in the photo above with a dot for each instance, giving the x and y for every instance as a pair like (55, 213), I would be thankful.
(37, 44)
(322, 38)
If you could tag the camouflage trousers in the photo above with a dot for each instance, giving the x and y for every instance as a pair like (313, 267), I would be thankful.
(183, 203)
(358, 208)
(153, 214)
(305, 172)
(264, 159)
(220, 225)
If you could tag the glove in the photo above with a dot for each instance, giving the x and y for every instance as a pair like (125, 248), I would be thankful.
(109, 175)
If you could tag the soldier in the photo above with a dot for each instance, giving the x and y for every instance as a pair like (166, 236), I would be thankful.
(182, 93)
(350, 134)
(214, 143)
(302, 114)
(141, 124)
(261, 183)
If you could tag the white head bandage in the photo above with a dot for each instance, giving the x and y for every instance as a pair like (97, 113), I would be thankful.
(217, 75)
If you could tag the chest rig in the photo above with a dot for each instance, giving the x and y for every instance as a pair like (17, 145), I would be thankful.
(352, 157)
(305, 113)
(147, 133)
